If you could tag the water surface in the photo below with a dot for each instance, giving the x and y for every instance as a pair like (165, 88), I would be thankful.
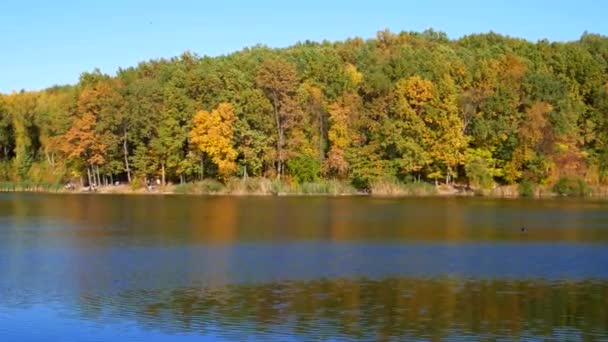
(184, 268)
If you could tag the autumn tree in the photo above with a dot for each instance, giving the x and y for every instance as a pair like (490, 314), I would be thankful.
(82, 144)
(212, 134)
(278, 79)
(340, 134)
(407, 133)
(481, 109)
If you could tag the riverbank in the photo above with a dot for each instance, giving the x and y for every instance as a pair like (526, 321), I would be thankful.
(266, 187)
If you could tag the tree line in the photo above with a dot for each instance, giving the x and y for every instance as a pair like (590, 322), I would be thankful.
(483, 109)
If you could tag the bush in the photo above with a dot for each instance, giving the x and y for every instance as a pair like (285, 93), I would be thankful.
(527, 188)
(571, 186)
(7, 186)
(136, 183)
(209, 186)
(304, 168)
(41, 172)
(204, 187)
(185, 188)
(6, 170)
(479, 173)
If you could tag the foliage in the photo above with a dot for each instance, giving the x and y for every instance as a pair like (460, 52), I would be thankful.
(212, 134)
(571, 186)
(479, 168)
(484, 109)
(526, 188)
(304, 168)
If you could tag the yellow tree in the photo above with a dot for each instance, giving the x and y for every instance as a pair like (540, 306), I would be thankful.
(339, 135)
(429, 128)
(407, 129)
(22, 108)
(449, 143)
(212, 134)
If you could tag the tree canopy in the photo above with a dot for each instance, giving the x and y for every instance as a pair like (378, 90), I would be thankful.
(481, 109)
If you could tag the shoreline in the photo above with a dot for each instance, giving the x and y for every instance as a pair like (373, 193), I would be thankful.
(504, 192)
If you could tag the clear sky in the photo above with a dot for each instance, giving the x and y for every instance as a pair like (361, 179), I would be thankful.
(51, 42)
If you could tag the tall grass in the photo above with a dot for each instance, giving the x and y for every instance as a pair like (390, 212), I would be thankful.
(30, 186)
(331, 187)
(249, 186)
(264, 186)
(204, 187)
(392, 187)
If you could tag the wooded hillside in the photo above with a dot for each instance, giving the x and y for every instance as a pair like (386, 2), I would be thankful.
(482, 109)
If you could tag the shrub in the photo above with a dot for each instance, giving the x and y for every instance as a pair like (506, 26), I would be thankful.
(185, 188)
(136, 183)
(526, 188)
(571, 186)
(478, 172)
(209, 186)
(304, 168)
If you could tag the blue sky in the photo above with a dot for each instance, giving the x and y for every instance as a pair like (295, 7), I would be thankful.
(51, 42)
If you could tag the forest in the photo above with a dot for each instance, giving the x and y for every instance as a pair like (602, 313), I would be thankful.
(481, 110)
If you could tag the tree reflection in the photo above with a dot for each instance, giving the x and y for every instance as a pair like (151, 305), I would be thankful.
(373, 309)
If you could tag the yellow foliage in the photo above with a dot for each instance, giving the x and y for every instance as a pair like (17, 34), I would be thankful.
(338, 135)
(353, 74)
(212, 133)
(417, 91)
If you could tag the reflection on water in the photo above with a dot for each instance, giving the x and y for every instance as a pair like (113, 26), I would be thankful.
(347, 309)
(392, 307)
(220, 268)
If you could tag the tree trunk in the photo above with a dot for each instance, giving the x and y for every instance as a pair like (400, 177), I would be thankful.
(202, 167)
(98, 176)
(126, 155)
(321, 137)
(181, 178)
(48, 157)
(162, 167)
(279, 136)
(89, 175)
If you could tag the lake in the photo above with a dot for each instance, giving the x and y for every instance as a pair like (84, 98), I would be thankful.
(188, 268)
